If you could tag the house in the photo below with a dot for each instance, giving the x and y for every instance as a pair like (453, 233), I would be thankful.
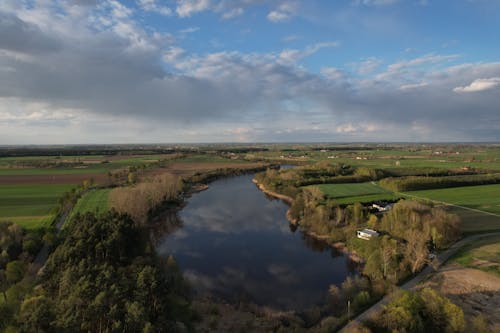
(367, 234)
(382, 208)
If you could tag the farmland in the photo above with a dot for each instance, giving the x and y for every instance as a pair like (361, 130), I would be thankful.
(30, 205)
(356, 192)
(483, 197)
(483, 254)
(93, 201)
(351, 189)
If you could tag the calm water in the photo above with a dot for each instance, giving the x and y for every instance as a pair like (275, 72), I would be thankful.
(236, 244)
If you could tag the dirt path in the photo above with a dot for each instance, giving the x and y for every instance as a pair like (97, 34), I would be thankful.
(442, 257)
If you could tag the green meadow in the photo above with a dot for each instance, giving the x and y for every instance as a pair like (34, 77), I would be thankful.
(93, 201)
(482, 197)
(356, 192)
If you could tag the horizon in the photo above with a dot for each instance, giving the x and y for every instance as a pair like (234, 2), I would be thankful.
(86, 72)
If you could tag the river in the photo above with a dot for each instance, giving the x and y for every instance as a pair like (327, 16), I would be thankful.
(235, 244)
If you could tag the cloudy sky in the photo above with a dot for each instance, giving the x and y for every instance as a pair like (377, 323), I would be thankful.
(108, 71)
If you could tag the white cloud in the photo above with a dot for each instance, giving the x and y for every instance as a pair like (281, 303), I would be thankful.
(284, 12)
(186, 8)
(153, 6)
(413, 86)
(173, 54)
(375, 2)
(368, 66)
(479, 85)
(293, 55)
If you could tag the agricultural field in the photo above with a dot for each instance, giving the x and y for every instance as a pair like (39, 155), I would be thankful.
(351, 189)
(474, 221)
(453, 157)
(30, 206)
(356, 192)
(481, 197)
(93, 201)
(483, 254)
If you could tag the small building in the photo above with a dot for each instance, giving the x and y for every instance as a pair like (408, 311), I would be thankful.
(382, 208)
(367, 234)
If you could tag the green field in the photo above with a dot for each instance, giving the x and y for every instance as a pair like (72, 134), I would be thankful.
(482, 197)
(30, 206)
(483, 254)
(356, 192)
(93, 201)
(351, 189)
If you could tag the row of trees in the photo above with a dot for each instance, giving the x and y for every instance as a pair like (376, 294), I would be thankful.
(413, 183)
(142, 199)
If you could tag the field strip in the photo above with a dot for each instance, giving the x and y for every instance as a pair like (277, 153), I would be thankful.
(449, 204)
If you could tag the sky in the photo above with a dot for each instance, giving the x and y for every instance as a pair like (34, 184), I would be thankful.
(174, 71)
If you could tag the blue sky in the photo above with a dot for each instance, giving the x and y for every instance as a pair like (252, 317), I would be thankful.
(109, 71)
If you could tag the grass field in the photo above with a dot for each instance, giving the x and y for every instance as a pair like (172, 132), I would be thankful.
(356, 192)
(351, 189)
(483, 197)
(483, 254)
(368, 198)
(93, 201)
(30, 205)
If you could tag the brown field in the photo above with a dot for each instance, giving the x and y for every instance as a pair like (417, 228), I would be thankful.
(475, 291)
(52, 179)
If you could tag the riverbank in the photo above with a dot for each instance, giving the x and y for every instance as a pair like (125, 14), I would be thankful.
(338, 246)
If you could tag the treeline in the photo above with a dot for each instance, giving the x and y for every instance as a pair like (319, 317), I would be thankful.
(209, 176)
(419, 311)
(427, 171)
(18, 248)
(142, 200)
(413, 183)
(105, 277)
(288, 181)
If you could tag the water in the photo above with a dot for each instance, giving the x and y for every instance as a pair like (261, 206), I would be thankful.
(236, 244)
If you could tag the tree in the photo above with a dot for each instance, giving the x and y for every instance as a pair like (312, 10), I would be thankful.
(14, 271)
(36, 314)
(416, 252)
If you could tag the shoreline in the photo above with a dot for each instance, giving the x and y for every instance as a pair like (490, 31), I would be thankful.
(339, 246)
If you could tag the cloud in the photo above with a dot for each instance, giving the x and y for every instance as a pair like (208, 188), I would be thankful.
(479, 85)
(153, 6)
(368, 66)
(93, 68)
(186, 8)
(293, 55)
(17, 35)
(413, 86)
(284, 12)
(375, 2)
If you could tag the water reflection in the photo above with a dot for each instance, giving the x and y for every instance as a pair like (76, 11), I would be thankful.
(236, 244)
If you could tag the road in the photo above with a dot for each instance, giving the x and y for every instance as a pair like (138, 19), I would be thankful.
(43, 254)
(442, 258)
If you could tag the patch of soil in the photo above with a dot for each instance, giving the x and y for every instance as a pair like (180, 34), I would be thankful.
(475, 291)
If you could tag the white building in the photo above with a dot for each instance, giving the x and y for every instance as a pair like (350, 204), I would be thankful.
(367, 234)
